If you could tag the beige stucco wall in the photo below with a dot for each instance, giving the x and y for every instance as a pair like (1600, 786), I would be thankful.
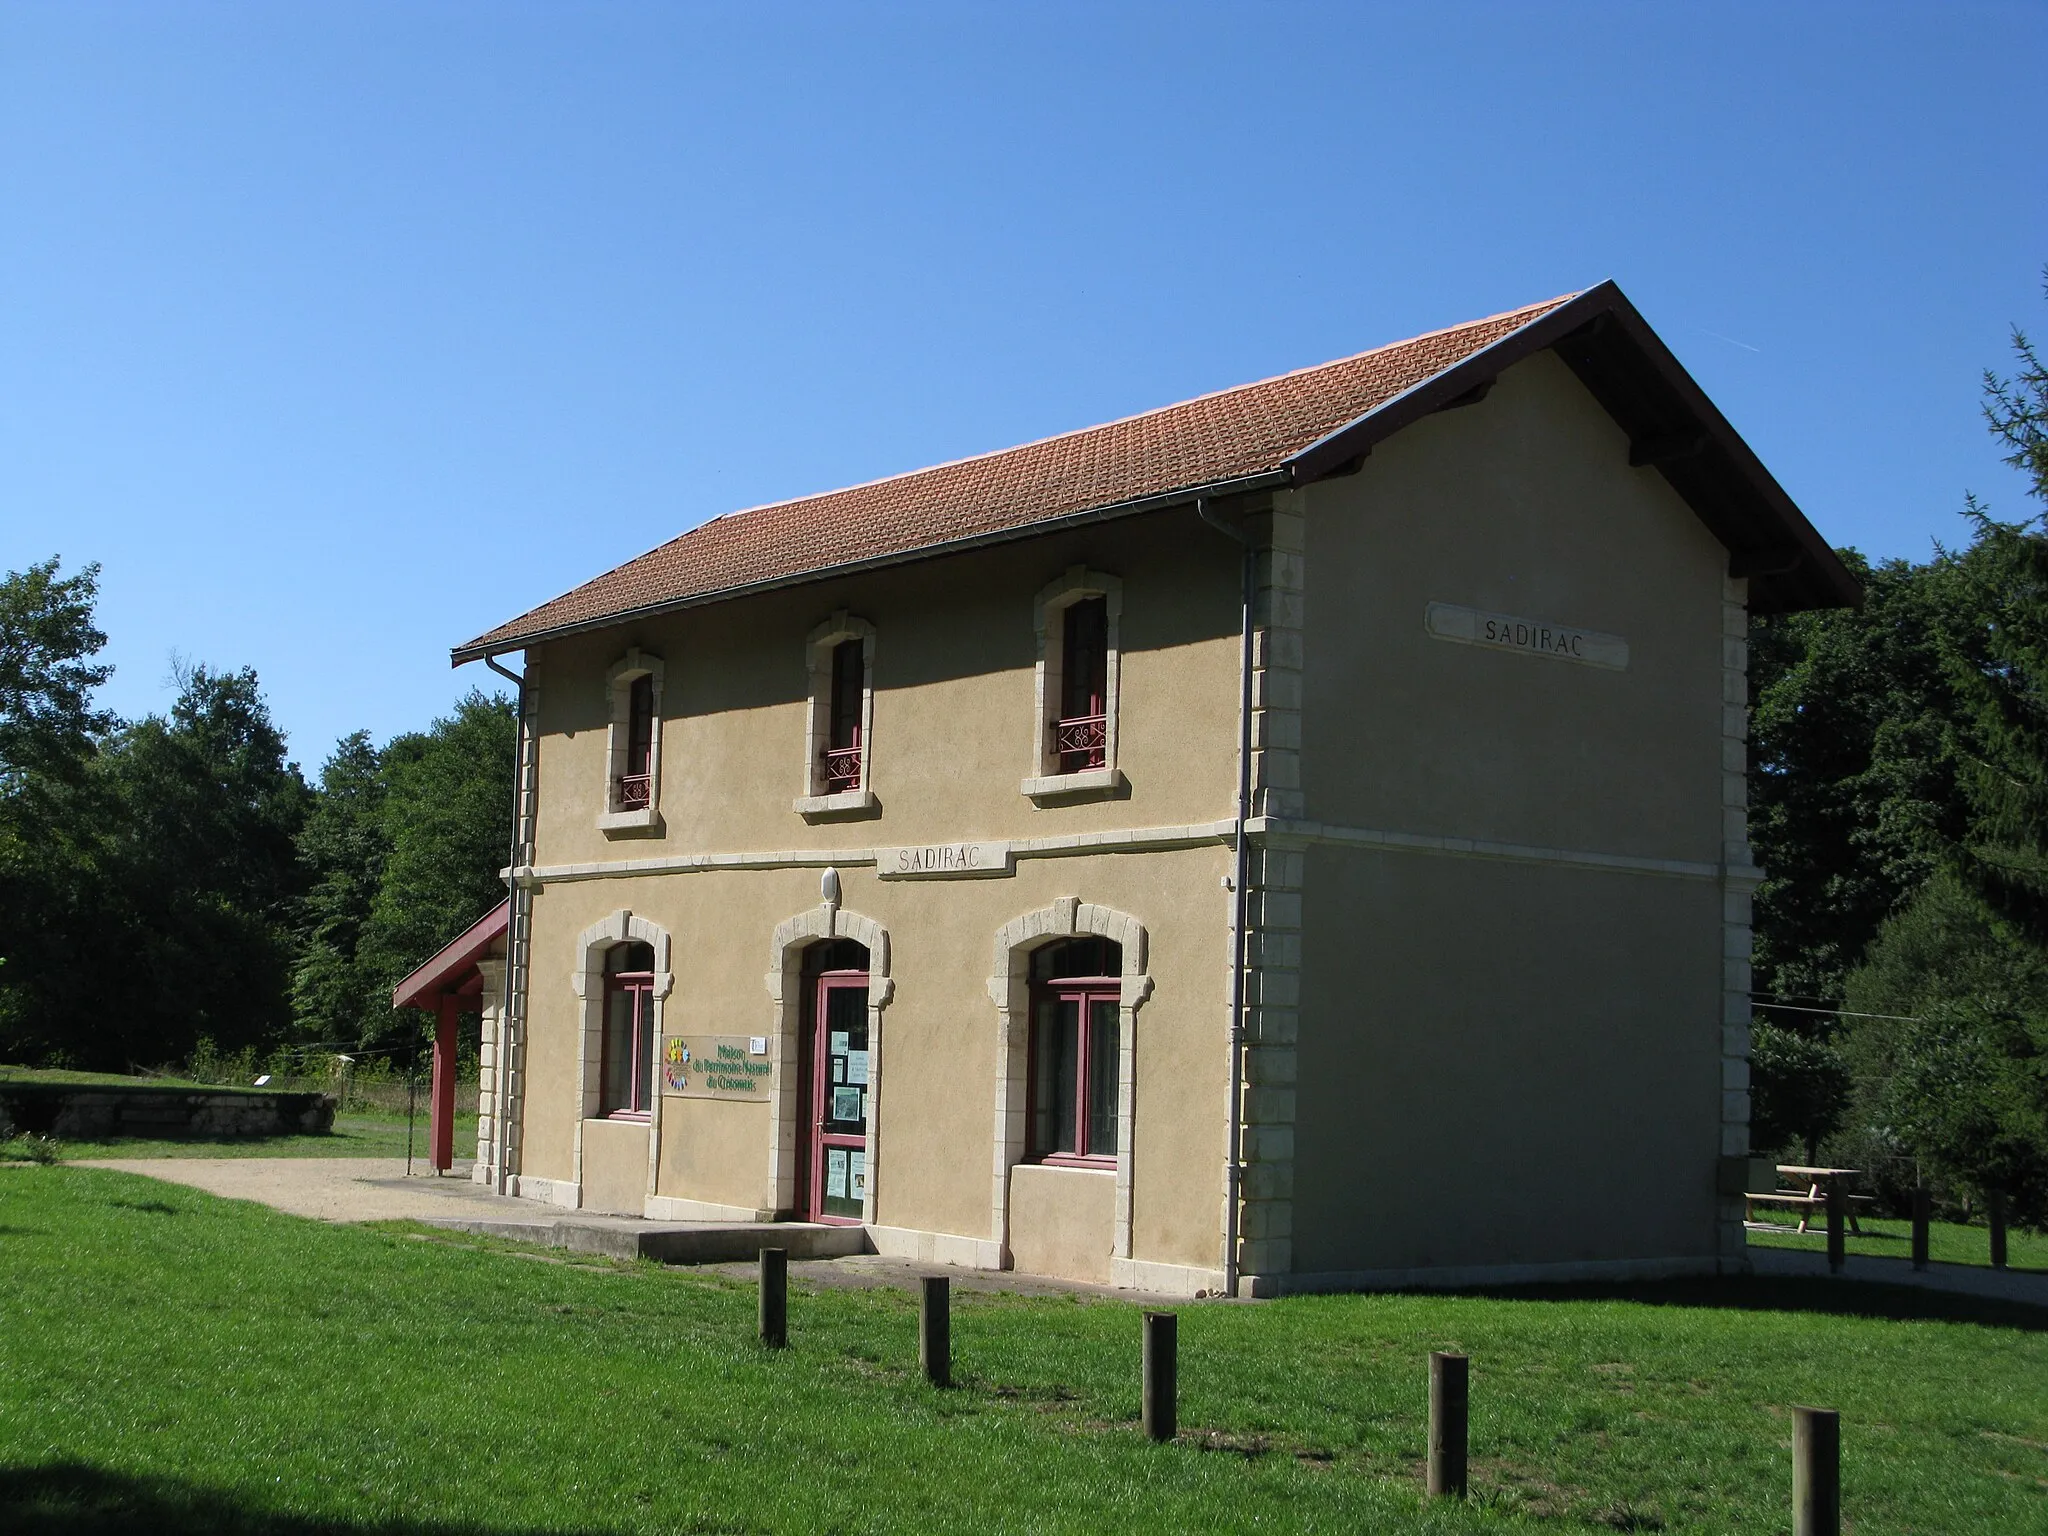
(954, 723)
(939, 1035)
(1062, 1219)
(1523, 504)
(1504, 1064)
(614, 1166)
(1500, 1061)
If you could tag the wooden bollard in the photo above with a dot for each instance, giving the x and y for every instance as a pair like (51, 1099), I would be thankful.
(1161, 1376)
(1922, 1208)
(1838, 1203)
(1816, 1472)
(1449, 1400)
(1994, 1207)
(775, 1297)
(935, 1331)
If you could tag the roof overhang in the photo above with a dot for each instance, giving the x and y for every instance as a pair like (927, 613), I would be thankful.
(1671, 426)
(1273, 479)
(453, 966)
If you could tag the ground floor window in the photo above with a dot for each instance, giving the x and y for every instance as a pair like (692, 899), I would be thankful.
(1076, 994)
(628, 1075)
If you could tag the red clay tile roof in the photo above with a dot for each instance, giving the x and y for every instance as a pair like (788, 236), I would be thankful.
(1202, 442)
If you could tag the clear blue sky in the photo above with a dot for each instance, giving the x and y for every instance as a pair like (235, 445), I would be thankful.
(338, 333)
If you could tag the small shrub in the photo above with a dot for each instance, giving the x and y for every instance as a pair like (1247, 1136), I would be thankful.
(31, 1148)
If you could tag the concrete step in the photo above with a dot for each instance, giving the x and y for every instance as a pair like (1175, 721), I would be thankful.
(692, 1242)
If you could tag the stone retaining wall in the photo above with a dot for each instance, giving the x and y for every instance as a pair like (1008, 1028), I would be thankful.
(101, 1112)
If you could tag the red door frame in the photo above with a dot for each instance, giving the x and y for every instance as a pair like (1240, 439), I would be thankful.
(441, 1100)
(811, 1136)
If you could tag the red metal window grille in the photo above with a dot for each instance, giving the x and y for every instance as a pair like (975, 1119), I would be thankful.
(1080, 736)
(842, 754)
(1071, 1096)
(636, 784)
(626, 1078)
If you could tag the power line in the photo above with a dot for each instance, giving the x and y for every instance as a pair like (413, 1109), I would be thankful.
(1839, 1013)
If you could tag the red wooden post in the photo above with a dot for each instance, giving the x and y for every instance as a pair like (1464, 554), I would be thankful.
(441, 1112)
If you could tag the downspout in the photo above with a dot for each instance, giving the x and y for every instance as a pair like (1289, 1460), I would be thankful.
(1234, 1165)
(518, 931)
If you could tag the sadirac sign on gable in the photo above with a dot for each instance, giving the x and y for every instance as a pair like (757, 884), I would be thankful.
(1532, 637)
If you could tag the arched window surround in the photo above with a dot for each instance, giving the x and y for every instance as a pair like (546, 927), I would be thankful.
(1009, 988)
(817, 803)
(588, 983)
(1045, 783)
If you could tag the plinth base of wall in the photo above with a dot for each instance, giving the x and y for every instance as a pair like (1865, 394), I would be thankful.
(1471, 1276)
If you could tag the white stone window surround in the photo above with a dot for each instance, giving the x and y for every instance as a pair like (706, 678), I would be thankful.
(814, 804)
(614, 820)
(785, 983)
(587, 981)
(1048, 617)
(1009, 988)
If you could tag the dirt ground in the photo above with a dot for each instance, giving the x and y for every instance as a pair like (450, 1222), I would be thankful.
(377, 1189)
(332, 1188)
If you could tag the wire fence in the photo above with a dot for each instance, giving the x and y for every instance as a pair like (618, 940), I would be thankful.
(383, 1079)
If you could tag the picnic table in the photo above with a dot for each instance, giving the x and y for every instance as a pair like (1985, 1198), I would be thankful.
(1813, 1197)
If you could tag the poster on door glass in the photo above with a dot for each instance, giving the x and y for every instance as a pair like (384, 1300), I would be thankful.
(846, 1104)
(857, 1172)
(856, 1066)
(835, 1173)
(838, 1042)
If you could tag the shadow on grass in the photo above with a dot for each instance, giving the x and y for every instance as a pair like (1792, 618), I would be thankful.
(71, 1499)
(1831, 1297)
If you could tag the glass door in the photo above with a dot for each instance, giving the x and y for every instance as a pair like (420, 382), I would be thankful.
(838, 1160)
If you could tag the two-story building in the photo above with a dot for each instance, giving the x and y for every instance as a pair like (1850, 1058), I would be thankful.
(1292, 839)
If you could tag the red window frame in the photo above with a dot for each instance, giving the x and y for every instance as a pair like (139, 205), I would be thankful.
(841, 757)
(1080, 736)
(1084, 992)
(636, 784)
(639, 987)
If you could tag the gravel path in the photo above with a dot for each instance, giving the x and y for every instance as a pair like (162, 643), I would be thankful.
(332, 1188)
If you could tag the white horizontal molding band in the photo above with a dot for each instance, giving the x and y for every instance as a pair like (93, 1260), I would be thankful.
(1278, 831)
(1273, 831)
(1124, 840)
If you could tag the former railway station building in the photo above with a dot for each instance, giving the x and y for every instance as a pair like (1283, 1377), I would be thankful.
(1292, 839)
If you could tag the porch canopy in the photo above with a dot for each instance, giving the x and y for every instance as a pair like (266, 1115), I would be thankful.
(442, 986)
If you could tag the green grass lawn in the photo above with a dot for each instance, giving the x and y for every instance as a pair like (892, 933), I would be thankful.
(177, 1363)
(1948, 1242)
(354, 1135)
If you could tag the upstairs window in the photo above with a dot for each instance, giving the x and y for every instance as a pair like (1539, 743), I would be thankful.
(633, 769)
(841, 769)
(1081, 733)
(1076, 1035)
(1074, 755)
(840, 725)
(635, 789)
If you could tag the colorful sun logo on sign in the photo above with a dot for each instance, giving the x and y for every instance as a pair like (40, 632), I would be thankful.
(675, 1064)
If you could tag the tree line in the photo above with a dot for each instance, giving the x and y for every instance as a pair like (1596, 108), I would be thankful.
(175, 884)
(176, 880)
(1899, 804)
